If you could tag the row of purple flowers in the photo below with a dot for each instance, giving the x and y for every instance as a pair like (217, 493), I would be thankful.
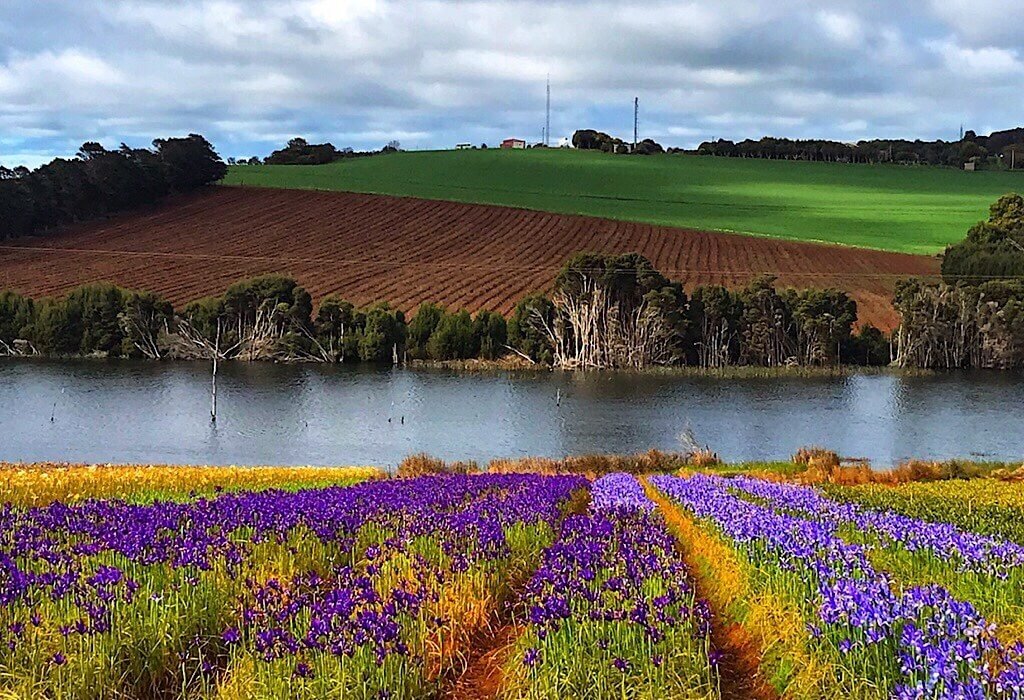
(971, 551)
(614, 579)
(918, 641)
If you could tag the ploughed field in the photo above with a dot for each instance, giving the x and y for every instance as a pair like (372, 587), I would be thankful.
(407, 251)
(508, 586)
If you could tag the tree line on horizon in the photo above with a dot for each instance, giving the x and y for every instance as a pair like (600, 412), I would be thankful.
(299, 151)
(98, 182)
(593, 140)
(1001, 148)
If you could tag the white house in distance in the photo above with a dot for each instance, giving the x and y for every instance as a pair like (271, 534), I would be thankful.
(513, 143)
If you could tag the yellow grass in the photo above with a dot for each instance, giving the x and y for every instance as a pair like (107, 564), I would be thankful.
(755, 616)
(43, 483)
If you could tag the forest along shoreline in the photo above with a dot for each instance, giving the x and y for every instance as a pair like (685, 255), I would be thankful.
(605, 312)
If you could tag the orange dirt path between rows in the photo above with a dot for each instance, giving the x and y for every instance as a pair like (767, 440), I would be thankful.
(739, 657)
(406, 251)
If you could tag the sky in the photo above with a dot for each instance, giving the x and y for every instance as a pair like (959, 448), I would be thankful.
(250, 74)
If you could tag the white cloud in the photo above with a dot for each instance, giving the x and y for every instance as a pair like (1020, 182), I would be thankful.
(842, 28)
(250, 73)
(57, 74)
(986, 63)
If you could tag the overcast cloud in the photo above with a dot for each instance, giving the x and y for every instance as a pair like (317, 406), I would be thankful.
(249, 74)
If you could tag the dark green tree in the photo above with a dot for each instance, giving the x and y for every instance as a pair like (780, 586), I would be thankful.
(422, 326)
(715, 315)
(16, 316)
(453, 339)
(491, 331)
(382, 336)
(764, 325)
(526, 328)
(190, 162)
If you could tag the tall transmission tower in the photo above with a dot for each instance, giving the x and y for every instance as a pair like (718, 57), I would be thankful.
(636, 121)
(547, 116)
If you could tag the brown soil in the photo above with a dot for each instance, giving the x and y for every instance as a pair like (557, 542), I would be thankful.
(373, 247)
(482, 678)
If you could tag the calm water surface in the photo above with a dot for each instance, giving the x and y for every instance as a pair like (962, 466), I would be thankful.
(118, 411)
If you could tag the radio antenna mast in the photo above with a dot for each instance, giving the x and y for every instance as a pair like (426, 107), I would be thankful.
(547, 116)
(636, 121)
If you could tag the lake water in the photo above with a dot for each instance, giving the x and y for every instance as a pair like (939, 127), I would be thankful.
(121, 411)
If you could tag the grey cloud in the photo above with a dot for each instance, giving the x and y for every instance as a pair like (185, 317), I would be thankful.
(249, 73)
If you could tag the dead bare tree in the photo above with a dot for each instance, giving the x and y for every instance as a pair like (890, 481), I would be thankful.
(208, 348)
(141, 327)
(590, 331)
(520, 353)
(639, 339)
(578, 330)
(17, 348)
(259, 339)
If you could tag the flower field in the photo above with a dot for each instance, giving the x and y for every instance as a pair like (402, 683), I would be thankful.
(891, 604)
(262, 584)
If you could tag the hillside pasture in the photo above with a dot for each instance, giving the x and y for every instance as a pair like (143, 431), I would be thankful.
(885, 207)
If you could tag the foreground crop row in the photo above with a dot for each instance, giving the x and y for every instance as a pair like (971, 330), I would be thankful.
(510, 586)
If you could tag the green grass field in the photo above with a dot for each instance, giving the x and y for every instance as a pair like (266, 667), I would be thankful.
(914, 210)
